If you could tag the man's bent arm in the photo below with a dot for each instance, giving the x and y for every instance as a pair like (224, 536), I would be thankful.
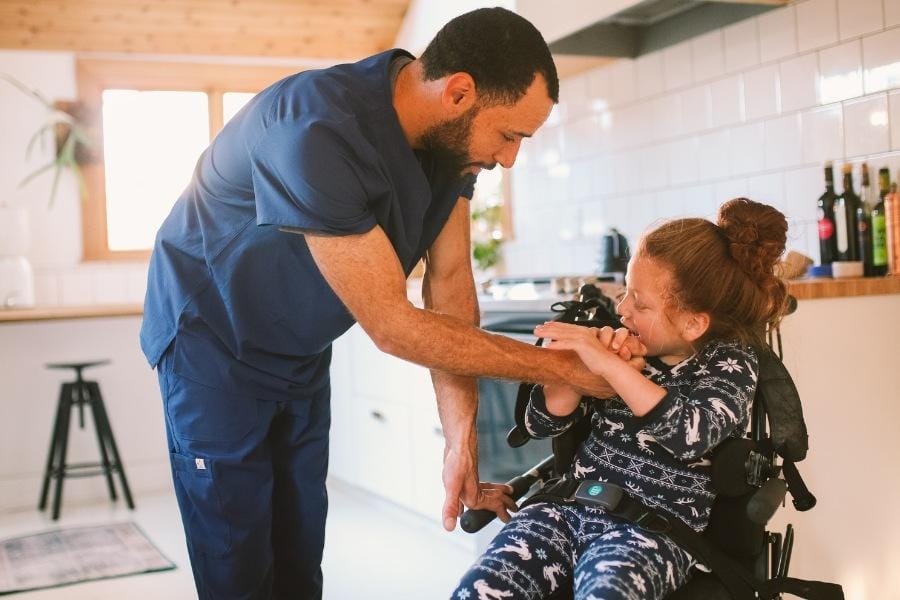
(365, 273)
(449, 288)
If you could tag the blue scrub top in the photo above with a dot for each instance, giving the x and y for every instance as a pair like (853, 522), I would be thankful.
(320, 151)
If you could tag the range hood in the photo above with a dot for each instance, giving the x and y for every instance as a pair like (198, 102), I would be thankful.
(637, 28)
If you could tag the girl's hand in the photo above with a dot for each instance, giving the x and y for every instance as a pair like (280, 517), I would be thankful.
(595, 347)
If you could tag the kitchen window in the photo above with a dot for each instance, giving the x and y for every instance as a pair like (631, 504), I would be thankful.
(150, 122)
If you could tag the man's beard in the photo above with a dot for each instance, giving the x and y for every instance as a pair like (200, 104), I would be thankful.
(448, 142)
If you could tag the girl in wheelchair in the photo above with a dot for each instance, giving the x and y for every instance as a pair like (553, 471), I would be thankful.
(699, 296)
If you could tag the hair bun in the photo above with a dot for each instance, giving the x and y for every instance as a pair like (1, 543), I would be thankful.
(756, 236)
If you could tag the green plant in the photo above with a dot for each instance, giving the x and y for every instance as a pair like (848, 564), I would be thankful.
(72, 139)
(487, 236)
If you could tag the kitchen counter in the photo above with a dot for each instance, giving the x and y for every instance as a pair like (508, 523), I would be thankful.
(802, 289)
(52, 313)
(810, 289)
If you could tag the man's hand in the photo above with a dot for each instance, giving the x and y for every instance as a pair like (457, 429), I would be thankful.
(463, 490)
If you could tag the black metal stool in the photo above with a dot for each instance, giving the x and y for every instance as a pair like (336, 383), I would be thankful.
(78, 393)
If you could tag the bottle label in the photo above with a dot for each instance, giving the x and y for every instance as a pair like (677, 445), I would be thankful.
(840, 223)
(826, 229)
(879, 240)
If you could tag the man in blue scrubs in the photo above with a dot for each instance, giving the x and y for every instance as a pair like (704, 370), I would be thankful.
(305, 214)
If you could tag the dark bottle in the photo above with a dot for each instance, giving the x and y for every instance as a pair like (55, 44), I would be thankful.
(845, 218)
(879, 225)
(827, 239)
(864, 223)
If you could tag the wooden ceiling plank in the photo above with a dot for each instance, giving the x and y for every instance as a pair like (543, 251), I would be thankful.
(162, 43)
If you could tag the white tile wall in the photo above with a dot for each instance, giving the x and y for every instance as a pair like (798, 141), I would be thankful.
(817, 24)
(726, 101)
(857, 17)
(840, 72)
(714, 155)
(799, 79)
(823, 133)
(777, 34)
(783, 142)
(677, 68)
(741, 45)
(761, 92)
(881, 61)
(751, 110)
(891, 13)
(895, 120)
(866, 126)
(707, 56)
(649, 72)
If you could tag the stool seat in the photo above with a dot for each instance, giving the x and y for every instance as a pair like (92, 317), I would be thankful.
(77, 366)
(78, 394)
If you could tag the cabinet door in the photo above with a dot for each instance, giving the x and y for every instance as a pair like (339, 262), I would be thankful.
(383, 443)
(428, 459)
(342, 453)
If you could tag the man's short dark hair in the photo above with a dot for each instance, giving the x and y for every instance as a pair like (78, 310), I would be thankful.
(501, 50)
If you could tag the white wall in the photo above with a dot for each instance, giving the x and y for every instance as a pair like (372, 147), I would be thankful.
(842, 354)
(752, 109)
(424, 18)
(56, 245)
(29, 395)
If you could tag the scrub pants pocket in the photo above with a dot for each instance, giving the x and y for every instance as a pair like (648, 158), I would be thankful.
(202, 513)
(209, 430)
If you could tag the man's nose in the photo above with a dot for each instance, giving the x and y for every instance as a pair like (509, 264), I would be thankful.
(507, 154)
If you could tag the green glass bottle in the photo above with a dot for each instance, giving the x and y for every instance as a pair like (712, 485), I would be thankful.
(879, 225)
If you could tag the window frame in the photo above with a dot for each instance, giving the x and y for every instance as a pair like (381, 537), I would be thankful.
(93, 76)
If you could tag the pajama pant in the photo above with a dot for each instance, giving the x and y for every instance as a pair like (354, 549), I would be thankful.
(547, 547)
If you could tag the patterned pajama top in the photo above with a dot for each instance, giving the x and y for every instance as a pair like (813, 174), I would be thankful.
(662, 458)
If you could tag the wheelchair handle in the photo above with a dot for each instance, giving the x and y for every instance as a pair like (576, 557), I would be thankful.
(474, 520)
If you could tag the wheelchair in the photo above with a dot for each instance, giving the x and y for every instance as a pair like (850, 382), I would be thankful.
(751, 474)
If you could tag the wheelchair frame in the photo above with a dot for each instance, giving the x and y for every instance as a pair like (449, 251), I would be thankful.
(763, 471)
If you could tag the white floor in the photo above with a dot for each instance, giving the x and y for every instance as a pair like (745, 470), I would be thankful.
(373, 550)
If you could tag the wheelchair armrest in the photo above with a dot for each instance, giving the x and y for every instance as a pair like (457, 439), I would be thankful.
(474, 520)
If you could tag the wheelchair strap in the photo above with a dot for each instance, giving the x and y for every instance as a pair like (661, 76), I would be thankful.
(741, 584)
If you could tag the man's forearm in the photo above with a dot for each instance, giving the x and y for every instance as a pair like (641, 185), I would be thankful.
(457, 395)
(443, 342)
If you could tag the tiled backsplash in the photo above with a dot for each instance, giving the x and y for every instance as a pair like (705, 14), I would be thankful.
(91, 283)
(753, 109)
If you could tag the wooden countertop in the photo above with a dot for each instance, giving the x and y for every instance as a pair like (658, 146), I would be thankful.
(802, 289)
(52, 313)
(812, 289)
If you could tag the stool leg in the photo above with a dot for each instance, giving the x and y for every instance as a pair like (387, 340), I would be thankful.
(108, 434)
(60, 475)
(54, 443)
(104, 455)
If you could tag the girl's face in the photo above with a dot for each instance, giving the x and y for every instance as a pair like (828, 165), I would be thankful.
(644, 311)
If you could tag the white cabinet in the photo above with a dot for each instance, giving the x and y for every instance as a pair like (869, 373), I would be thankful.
(342, 451)
(383, 442)
(385, 436)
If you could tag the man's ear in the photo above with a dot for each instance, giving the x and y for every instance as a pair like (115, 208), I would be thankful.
(459, 92)
(695, 325)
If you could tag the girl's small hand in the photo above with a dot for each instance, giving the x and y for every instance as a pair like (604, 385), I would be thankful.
(591, 344)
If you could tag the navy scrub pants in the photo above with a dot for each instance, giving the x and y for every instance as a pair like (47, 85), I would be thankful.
(546, 548)
(249, 477)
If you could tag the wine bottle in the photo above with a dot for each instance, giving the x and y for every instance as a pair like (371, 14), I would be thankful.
(845, 218)
(864, 223)
(827, 240)
(879, 227)
(892, 225)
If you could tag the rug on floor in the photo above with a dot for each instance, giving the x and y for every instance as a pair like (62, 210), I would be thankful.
(72, 555)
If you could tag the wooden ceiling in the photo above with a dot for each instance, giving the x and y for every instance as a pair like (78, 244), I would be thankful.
(324, 29)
